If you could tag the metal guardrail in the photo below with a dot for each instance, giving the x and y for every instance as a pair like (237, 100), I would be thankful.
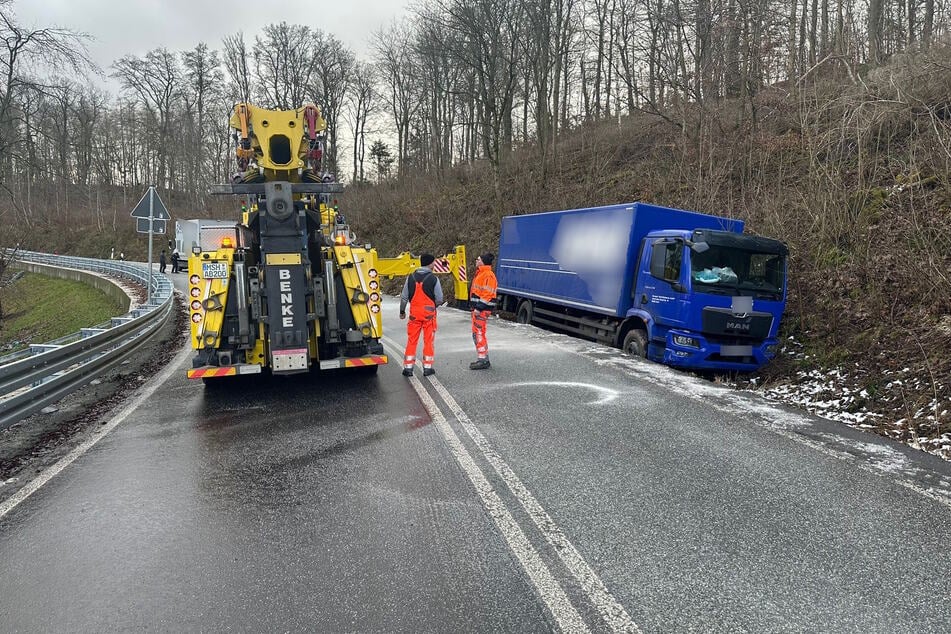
(32, 379)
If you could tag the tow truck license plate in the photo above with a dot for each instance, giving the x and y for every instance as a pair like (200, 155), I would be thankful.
(214, 270)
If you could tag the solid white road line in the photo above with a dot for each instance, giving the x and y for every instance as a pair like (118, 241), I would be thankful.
(548, 588)
(607, 606)
(11, 503)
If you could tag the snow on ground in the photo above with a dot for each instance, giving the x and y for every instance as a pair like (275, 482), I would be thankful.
(831, 394)
(828, 395)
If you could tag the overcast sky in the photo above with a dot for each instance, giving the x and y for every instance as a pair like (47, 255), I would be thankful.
(121, 27)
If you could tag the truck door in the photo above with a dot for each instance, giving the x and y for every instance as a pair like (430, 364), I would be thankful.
(664, 293)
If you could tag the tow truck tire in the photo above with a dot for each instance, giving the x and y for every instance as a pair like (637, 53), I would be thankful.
(524, 313)
(635, 343)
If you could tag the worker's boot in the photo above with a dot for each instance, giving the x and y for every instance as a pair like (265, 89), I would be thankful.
(407, 371)
(428, 372)
(481, 364)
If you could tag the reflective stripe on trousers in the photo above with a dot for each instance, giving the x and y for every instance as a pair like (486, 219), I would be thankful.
(480, 318)
(413, 328)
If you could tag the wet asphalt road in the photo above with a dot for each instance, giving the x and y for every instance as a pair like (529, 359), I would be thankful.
(568, 488)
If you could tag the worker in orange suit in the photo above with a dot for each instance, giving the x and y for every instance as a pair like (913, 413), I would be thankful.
(423, 293)
(482, 296)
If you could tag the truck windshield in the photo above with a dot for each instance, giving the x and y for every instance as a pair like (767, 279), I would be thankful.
(728, 271)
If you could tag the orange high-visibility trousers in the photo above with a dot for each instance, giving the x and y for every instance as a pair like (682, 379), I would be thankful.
(413, 328)
(480, 318)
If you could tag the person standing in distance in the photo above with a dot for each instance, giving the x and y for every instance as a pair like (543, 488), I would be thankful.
(423, 293)
(482, 300)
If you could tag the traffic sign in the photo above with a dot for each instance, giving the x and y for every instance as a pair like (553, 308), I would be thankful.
(142, 225)
(151, 199)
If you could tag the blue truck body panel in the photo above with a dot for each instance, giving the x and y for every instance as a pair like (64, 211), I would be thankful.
(596, 266)
(586, 258)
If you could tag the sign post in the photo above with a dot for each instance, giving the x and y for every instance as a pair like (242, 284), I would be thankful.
(151, 215)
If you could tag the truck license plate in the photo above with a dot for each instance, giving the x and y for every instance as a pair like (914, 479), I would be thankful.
(214, 270)
(736, 351)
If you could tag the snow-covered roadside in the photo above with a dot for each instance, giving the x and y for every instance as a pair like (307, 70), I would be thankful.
(832, 395)
(837, 394)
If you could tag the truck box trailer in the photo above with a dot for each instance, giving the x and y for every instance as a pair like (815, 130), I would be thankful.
(683, 288)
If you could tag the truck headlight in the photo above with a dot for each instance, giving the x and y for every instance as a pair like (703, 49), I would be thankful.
(687, 342)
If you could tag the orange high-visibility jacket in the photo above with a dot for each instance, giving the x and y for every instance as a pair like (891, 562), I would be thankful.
(483, 291)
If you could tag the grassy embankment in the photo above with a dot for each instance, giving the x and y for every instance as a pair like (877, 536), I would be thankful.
(37, 308)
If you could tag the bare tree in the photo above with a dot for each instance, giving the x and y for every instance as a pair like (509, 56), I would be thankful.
(236, 63)
(203, 82)
(362, 103)
(23, 50)
(332, 77)
(156, 80)
(284, 61)
(397, 68)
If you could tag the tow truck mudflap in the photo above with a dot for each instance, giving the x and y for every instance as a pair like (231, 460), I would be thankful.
(214, 371)
(354, 362)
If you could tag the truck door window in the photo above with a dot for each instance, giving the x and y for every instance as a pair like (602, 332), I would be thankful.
(666, 259)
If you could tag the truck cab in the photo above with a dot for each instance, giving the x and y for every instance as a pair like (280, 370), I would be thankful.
(709, 299)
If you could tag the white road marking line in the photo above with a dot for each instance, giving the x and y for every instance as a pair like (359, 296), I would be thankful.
(606, 394)
(754, 413)
(608, 607)
(548, 588)
(11, 503)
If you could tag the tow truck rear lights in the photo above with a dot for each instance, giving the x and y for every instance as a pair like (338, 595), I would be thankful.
(195, 292)
(196, 318)
(227, 243)
(374, 285)
(196, 305)
(372, 273)
(375, 308)
(194, 279)
(374, 297)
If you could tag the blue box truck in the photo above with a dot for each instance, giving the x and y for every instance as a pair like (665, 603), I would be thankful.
(686, 289)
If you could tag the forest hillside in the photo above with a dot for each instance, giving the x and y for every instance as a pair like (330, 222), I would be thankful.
(853, 176)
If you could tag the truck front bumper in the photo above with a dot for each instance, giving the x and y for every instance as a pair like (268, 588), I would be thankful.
(713, 356)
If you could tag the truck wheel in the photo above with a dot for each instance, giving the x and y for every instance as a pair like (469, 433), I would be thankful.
(635, 343)
(524, 314)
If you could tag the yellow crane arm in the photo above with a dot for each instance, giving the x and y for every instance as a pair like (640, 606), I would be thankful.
(453, 263)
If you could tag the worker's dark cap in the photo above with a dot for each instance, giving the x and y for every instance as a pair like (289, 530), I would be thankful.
(426, 259)
(487, 258)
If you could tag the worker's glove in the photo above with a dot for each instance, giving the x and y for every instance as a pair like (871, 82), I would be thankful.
(402, 315)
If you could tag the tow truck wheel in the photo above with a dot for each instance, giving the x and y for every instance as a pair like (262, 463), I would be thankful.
(635, 343)
(524, 313)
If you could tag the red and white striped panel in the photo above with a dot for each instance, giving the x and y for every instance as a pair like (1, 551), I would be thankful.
(440, 265)
(462, 272)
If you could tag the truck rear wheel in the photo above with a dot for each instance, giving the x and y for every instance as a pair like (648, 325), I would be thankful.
(635, 343)
(524, 313)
